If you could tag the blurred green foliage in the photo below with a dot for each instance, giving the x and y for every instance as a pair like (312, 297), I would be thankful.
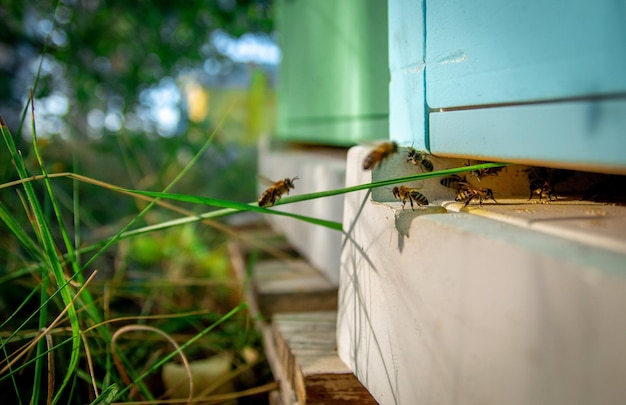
(110, 71)
(121, 60)
(118, 61)
(104, 53)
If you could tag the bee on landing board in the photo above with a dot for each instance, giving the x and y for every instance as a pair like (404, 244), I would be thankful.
(379, 154)
(480, 173)
(420, 158)
(469, 193)
(276, 191)
(405, 193)
(539, 182)
(542, 188)
(455, 181)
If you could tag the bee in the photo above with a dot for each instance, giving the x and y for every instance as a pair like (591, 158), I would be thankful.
(539, 184)
(470, 193)
(405, 193)
(420, 158)
(542, 188)
(379, 154)
(275, 192)
(455, 181)
(490, 171)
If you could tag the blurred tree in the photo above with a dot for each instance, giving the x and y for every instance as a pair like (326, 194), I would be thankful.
(102, 55)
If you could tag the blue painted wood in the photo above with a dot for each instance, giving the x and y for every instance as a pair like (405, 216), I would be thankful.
(585, 133)
(406, 64)
(493, 51)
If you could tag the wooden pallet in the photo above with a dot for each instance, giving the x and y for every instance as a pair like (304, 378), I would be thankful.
(295, 310)
(275, 285)
(309, 369)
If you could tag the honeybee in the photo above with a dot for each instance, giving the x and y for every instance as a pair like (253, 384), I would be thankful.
(405, 193)
(542, 188)
(490, 171)
(276, 191)
(379, 154)
(455, 181)
(420, 158)
(539, 183)
(470, 193)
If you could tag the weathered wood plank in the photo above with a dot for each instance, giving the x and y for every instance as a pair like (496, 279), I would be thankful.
(307, 354)
(300, 347)
(291, 286)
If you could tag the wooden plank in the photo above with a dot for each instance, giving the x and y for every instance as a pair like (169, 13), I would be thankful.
(585, 135)
(287, 284)
(292, 286)
(313, 372)
(489, 51)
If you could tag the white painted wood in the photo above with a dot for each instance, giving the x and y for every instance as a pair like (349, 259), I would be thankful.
(459, 308)
(317, 170)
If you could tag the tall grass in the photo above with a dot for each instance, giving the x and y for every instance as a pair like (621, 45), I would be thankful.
(37, 366)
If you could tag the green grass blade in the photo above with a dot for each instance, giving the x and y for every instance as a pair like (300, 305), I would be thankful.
(11, 371)
(169, 186)
(41, 346)
(20, 234)
(388, 182)
(232, 207)
(51, 260)
(57, 266)
(36, 358)
(15, 312)
(107, 396)
(41, 305)
(182, 347)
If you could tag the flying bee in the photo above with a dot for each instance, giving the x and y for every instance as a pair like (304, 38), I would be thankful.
(405, 193)
(470, 193)
(542, 188)
(276, 191)
(379, 154)
(455, 181)
(420, 158)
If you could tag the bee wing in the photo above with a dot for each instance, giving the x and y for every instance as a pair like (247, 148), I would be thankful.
(264, 180)
(372, 143)
(463, 185)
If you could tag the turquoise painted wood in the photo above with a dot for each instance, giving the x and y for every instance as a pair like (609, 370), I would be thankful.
(585, 134)
(493, 51)
(334, 75)
(407, 124)
(521, 80)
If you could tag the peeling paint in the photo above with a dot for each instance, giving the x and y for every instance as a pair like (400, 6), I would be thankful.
(414, 68)
(456, 57)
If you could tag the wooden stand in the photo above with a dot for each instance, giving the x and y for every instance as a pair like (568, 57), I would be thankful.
(295, 308)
